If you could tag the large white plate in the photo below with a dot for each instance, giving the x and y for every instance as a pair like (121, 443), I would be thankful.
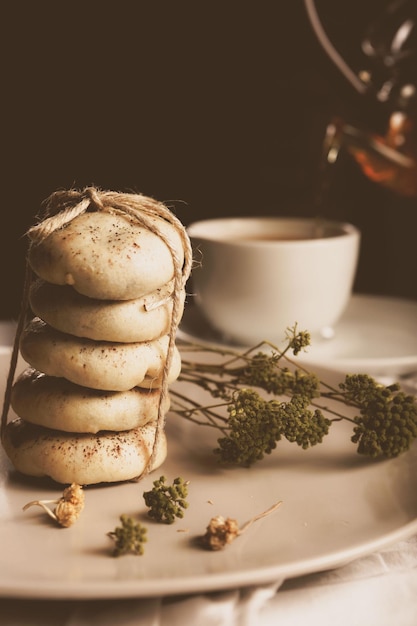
(376, 335)
(336, 507)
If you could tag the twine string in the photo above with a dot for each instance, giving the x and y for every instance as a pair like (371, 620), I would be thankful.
(64, 206)
(21, 322)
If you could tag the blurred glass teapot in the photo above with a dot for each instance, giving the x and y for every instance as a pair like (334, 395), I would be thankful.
(389, 79)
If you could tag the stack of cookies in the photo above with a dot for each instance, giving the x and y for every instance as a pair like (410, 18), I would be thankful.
(105, 304)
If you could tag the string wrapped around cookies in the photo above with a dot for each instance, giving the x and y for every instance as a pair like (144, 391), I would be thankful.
(103, 297)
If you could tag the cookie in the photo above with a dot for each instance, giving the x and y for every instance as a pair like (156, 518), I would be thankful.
(59, 404)
(108, 256)
(141, 319)
(97, 364)
(84, 459)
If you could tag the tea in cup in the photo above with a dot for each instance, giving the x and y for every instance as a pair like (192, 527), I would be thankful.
(255, 277)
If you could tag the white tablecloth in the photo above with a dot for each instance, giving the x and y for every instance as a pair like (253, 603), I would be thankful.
(377, 590)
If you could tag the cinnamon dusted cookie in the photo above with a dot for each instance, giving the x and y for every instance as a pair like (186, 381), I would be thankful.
(141, 319)
(84, 459)
(107, 256)
(61, 405)
(97, 364)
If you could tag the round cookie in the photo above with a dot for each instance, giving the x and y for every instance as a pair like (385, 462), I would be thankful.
(84, 459)
(59, 404)
(125, 321)
(97, 364)
(107, 256)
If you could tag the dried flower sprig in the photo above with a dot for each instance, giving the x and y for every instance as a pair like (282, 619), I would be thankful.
(222, 531)
(68, 508)
(166, 502)
(129, 537)
(251, 424)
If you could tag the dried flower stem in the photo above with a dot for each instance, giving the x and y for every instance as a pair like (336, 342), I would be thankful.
(68, 507)
(261, 396)
(249, 523)
(222, 531)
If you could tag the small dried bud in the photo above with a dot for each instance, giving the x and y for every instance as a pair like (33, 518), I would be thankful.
(75, 496)
(220, 532)
(68, 507)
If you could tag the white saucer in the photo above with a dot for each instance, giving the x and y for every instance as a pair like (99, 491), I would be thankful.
(377, 335)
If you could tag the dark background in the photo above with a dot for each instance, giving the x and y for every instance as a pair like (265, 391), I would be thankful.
(216, 108)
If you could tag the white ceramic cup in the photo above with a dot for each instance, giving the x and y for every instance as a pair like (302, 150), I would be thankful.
(254, 277)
